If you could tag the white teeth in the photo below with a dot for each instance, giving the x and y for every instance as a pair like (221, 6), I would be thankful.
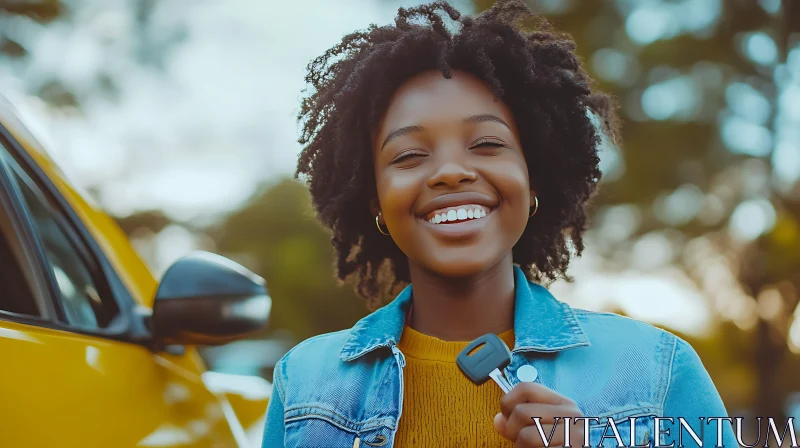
(459, 214)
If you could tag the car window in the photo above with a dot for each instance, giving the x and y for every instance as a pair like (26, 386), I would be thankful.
(75, 277)
(17, 296)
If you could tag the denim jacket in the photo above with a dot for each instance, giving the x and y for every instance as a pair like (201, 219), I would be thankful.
(345, 389)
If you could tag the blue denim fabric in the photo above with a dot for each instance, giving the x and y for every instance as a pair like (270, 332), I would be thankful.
(333, 389)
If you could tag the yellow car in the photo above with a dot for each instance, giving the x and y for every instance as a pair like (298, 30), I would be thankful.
(95, 352)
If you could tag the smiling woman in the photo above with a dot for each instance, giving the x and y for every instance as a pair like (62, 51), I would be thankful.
(458, 149)
(475, 154)
(398, 90)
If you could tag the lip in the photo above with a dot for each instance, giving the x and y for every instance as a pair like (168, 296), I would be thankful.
(456, 199)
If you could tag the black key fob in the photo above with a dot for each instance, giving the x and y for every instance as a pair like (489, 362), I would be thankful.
(494, 354)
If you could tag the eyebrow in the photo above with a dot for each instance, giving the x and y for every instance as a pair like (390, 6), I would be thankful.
(401, 132)
(472, 119)
(486, 117)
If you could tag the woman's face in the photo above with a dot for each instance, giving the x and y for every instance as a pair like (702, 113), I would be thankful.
(452, 181)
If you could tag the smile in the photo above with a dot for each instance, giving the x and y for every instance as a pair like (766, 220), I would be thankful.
(456, 214)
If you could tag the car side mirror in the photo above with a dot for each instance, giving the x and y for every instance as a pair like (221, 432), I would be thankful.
(208, 299)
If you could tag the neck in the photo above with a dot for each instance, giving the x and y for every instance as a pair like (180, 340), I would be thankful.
(461, 309)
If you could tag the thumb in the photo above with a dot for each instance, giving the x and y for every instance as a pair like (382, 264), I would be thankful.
(500, 424)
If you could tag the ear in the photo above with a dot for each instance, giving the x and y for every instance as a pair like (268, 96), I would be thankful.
(533, 197)
(374, 207)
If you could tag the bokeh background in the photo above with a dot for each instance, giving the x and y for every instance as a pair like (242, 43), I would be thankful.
(178, 117)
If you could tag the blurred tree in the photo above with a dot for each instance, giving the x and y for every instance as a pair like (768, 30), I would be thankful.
(152, 221)
(21, 19)
(278, 237)
(710, 163)
(12, 35)
(42, 11)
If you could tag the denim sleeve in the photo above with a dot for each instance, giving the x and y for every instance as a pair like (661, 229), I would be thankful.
(274, 429)
(691, 395)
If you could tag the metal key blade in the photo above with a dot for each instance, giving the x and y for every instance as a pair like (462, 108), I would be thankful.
(501, 380)
(485, 358)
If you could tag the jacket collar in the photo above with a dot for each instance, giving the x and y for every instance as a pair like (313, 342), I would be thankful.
(541, 322)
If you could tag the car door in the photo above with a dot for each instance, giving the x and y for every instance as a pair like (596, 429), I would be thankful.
(72, 374)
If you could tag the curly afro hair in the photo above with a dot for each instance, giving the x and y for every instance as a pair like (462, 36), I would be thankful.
(533, 70)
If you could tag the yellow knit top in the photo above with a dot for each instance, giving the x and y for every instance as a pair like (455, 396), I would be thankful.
(441, 406)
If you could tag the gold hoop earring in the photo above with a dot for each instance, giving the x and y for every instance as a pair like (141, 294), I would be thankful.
(535, 206)
(379, 225)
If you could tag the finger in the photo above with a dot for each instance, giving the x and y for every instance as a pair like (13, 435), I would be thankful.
(529, 437)
(523, 414)
(530, 393)
(500, 424)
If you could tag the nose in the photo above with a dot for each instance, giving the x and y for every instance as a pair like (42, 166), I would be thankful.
(452, 170)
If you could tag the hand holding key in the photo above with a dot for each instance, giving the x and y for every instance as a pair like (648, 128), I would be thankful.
(524, 401)
(527, 400)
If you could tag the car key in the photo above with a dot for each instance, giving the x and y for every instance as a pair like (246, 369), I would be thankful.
(487, 361)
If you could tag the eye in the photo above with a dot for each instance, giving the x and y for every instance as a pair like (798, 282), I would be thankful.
(407, 155)
(487, 143)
